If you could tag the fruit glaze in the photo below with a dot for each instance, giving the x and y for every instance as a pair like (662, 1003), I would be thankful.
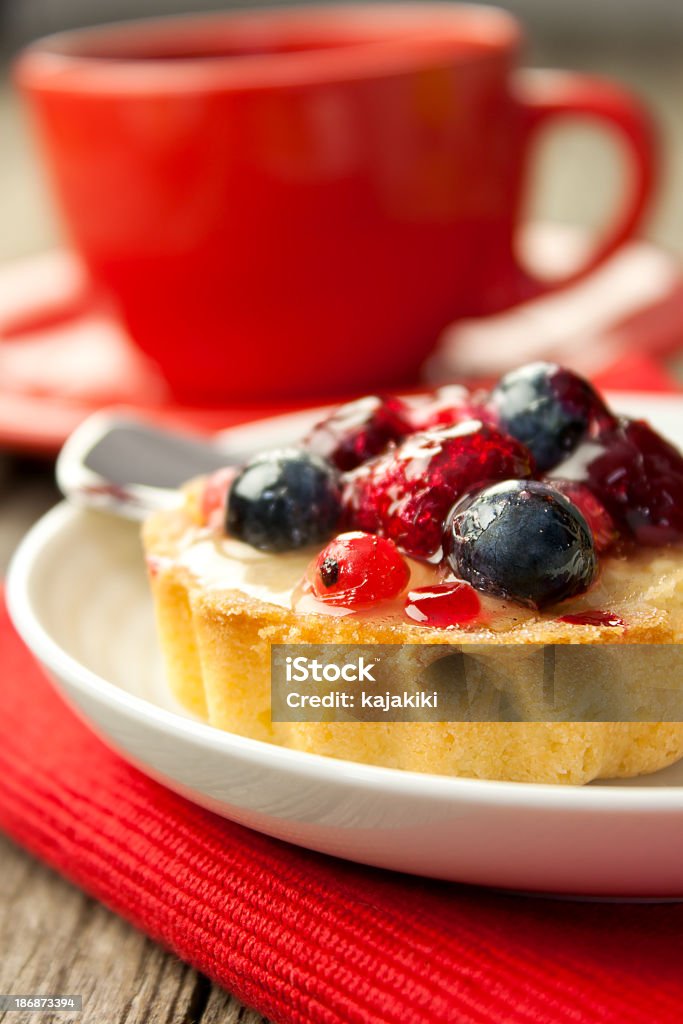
(455, 511)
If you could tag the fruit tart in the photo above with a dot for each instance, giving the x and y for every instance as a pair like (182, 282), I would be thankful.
(528, 515)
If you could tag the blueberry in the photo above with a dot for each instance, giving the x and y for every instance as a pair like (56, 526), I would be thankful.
(521, 540)
(547, 408)
(283, 500)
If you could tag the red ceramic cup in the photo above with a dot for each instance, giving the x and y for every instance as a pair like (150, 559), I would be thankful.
(296, 202)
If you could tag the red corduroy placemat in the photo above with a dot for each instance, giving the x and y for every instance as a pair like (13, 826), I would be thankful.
(302, 937)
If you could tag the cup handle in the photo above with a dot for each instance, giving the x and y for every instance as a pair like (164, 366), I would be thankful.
(544, 96)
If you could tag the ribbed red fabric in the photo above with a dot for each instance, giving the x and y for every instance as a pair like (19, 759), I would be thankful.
(304, 938)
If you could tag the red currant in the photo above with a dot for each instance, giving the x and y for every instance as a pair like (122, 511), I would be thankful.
(445, 604)
(357, 569)
(595, 618)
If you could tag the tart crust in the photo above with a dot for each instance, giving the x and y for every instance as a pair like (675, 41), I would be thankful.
(216, 645)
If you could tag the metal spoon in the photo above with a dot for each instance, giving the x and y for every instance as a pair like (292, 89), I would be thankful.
(129, 468)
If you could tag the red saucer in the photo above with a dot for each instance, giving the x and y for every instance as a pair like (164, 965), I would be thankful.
(63, 355)
(630, 308)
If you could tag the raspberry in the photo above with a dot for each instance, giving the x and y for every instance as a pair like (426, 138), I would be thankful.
(214, 497)
(359, 430)
(637, 475)
(445, 604)
(406, 494)
(448, 406)
(603, 528)
(357, 569)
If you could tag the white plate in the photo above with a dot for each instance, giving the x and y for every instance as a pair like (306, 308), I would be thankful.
(78, 595)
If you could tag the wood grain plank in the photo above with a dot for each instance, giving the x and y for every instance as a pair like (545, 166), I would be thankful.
(55, 939)
(222, 1008)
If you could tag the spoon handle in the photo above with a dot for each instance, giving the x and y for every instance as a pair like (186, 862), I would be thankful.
(129, 468)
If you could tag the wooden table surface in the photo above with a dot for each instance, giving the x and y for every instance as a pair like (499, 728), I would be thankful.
(52, 937)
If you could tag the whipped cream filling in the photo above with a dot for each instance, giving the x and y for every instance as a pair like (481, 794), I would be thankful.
(646, 577)
(218, 562)
(222, 563)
